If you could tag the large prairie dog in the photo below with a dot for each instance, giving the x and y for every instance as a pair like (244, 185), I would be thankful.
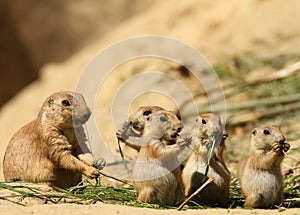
(48, 148)
(259, 172)
(207, 128)
(132, 131)
(157, 171)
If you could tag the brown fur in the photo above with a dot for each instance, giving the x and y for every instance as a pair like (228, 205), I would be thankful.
(156, 171)
(139, 117)
(259, 172)
(131, 132)
(193, 175)
(48, 148)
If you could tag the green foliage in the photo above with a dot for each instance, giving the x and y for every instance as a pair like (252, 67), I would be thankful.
(88, 194)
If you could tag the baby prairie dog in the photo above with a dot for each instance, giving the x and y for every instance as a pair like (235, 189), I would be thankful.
(259, 172)
(156, 173)
(133, 130)
(207, 129)
(48, 149)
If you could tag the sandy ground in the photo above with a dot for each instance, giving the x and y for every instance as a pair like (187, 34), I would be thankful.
(35, 206)
(101, 208)
(221, 29)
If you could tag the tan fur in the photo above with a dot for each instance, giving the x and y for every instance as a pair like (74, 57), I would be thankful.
(259, 172)
(156, 171)
(138, 118)
(132, 132)
(47, 149)
(193, 175)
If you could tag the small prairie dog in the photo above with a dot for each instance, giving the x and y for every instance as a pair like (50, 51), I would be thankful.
(207, 128)
(51, 149)
(156, 173)
(131, 132)
(259, 172)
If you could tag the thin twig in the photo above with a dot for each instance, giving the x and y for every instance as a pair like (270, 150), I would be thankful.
(123, 157)
(210, 153)
(9, 200)
(114, 178)
(208, 181)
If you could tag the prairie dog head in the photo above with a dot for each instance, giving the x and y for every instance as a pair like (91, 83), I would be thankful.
(208, 126)
(65, 110)
(137, 119)
(163, 125)
(263, 137)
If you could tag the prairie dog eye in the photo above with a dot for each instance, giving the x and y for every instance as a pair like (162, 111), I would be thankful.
(254, 132)
(203, 121)
(162, 119)
(147, 112)
(66, 103)
(266, 132)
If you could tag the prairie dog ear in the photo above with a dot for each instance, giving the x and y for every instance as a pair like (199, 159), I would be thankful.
(254, 132)
(50, 101)
(147, 112)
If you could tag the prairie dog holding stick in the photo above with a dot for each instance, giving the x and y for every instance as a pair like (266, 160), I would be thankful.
(207, 130)
(157, 171)
(133, 130)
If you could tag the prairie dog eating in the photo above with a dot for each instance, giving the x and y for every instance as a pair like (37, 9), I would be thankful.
(207, 130)
(133, 130)
(259, 172)
(157, 171)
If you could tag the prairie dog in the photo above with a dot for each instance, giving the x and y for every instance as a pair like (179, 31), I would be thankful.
(132, 131)
(48, 149)
(207, 129)
(259, 172)
(157, 171)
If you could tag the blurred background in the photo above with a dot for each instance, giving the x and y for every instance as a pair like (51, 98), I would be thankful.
(46, 44)
(37, 32)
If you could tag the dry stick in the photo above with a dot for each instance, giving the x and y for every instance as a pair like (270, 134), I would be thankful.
(9, 200)
(208, 181)
(34, 194)
(114, 178)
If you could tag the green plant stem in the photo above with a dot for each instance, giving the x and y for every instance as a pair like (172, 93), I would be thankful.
(123, 157)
